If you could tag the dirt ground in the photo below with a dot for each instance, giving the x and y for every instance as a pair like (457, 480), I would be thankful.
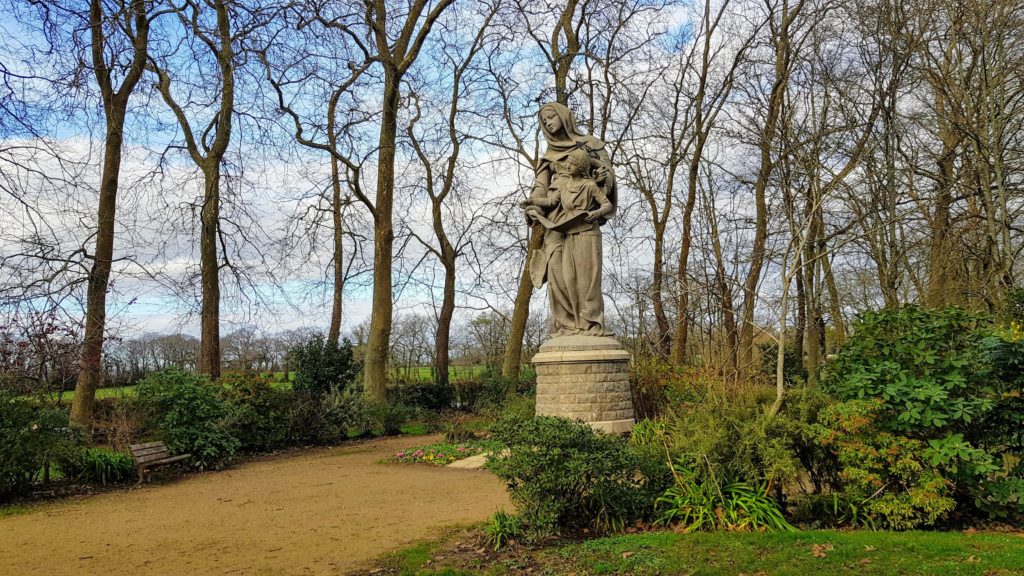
(324, 511)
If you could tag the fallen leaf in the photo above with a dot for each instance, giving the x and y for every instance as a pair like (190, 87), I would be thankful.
(970, 531)
(973, 559)
(821, 550)
(869, 548)
(626, 555)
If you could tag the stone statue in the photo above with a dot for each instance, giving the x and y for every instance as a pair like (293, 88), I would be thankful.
(573, 195)
(582, 372)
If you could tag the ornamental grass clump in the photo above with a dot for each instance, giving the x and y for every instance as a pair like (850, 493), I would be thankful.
(693, 505)
(98, 464)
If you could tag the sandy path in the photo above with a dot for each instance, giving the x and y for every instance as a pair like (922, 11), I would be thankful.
(323, 511)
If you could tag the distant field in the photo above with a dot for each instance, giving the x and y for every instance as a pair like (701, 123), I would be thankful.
(416, 374)
(102, 393)
(425, 373)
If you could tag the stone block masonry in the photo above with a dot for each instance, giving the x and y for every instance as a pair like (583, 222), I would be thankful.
(585, 378)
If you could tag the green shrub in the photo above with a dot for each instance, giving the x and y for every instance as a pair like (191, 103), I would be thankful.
(653, 383)
(949, 381)
(564, 475)
(1001, 493)
(425, 395)
(887, 477)
(101, 465)
(1013, 306)
(832, 510)
(465, 395)
(31, 437)
(322, 367)
(493, 389)
(519, 407)
(385, 418)
(726, 431)
(325, 419)
(190, 416)
(648, 435)
(793, 370)
(259, 412)
(693, 504)
(1004, 423)
(927, 368)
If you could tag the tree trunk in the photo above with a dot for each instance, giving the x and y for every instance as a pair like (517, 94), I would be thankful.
(800, 332)
(512, 363)
(767, 137)
(375, 371)
(90, 376)
(209, 264)
(442, 338)
(834, 303)
(682, 322)
(939, 256)
(725, 298)
(664, 343)
(334, 332)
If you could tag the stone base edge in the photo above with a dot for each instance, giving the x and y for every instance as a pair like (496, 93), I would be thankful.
(614, 426)
(580, 356)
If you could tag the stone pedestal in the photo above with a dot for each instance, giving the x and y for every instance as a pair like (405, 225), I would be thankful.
(585, 378)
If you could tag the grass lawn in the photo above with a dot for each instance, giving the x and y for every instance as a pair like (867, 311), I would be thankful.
(777, 554)
(425, 374)
(114, 392)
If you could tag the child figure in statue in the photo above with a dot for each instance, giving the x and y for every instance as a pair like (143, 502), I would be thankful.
(572, 211)
(578, 192)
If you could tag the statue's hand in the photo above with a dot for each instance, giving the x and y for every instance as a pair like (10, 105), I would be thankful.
(532, 212)
(526, 203)
(592, 215)
(601, 175)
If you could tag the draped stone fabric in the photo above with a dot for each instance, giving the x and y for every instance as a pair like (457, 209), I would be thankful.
(570, 259)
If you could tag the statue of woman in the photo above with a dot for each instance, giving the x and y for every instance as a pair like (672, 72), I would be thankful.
(573, 195)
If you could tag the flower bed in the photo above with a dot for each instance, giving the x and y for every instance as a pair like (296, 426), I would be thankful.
(442, 453)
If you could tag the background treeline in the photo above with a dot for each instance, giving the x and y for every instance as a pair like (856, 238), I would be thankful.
(42, 358)
(782, 166)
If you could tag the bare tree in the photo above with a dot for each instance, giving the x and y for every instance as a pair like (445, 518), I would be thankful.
(440, 184)
(291, 67)
(211, 32)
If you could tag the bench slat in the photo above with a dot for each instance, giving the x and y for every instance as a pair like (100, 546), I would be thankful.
(148, 451)
(168, 460)
(135, 447)
(152, 457)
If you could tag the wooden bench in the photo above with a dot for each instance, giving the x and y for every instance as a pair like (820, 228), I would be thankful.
(151, 455)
